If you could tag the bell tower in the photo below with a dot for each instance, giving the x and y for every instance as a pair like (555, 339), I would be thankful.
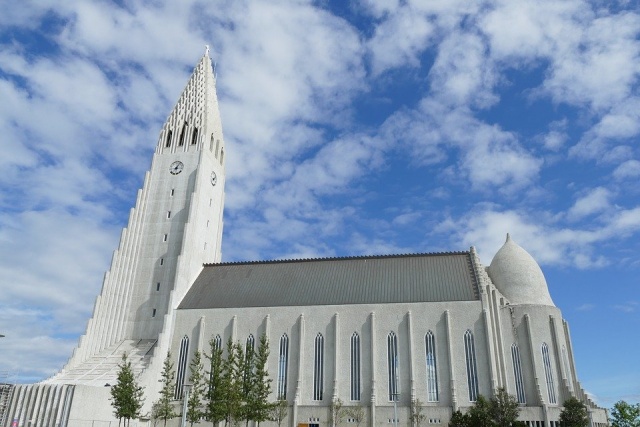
(173, 229)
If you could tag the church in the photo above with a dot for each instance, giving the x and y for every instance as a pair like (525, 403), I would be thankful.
(378, 332)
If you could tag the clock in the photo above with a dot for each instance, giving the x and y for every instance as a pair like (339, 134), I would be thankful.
(176, 167)
(214, 178)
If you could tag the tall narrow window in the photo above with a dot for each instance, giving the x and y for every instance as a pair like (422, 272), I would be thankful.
(217, 342)
(211, 143)
(283, 365)
(168, 142)
(172, 192)
(392, 365)
(164, 238)
(432, 368)
(182, 134)
(158, 286)
(161, 261)
(551, 389)
(153, 313)
(318, 368)
(251, 344)
(355, 366)
(222, 156)
(182, 367)
(194, 137)
(472, 371)
(517, 373)
(217, 147)
(168, 214)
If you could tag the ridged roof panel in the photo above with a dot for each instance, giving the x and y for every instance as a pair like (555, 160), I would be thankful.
(335, 281)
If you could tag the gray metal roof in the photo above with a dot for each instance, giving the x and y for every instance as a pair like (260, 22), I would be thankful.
(335, 281)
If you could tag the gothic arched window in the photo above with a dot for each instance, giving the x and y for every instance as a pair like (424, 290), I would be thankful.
(392, 365)
(546, 360)
(472, 371)
(355, 366)
(194, 137)
(182, 135)
(182, 367)
(168, 143)
(283, 365)
(517, 373)
(318, 367)
(432, 368)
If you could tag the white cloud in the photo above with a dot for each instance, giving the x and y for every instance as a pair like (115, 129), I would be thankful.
(595, 201)
(628, 169)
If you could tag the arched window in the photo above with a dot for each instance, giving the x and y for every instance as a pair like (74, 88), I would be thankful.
(392, 365)
(182, 134)
(182, 367)
(283, 365)
(355, 366)
(318, 367)
(517, 373)
(472, 371)
(546, 360)
(194, 137)
(217, 146)
(432, 368)
(217, 342)
(168, 142)
(222, 156)
(211, 143)
(251, 345)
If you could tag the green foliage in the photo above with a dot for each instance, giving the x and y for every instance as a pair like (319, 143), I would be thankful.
(574, 413)
(356, 413)
(504, 408)
(214, 410)
(126, 396)
(164, 407)
(458, 419)
(279, 412)
(197, 380)
(232, 383)
(258, 406)
(417, 417)
(624, 414)
(501, 411)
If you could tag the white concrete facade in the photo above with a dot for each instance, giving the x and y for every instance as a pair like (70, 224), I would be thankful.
(176, 227)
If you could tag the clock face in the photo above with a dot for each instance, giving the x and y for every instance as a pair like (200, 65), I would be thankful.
(176, 167)
(214, 178)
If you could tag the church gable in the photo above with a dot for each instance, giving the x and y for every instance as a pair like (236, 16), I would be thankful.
(335, 281)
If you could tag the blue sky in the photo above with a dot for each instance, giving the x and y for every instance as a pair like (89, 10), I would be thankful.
(368, 128)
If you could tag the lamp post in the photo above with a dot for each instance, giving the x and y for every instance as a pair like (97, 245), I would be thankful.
(185, 401)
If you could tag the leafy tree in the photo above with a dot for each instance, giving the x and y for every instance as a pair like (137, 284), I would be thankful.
(624, 414)
(417, 417)
(336, 414)
(479, 415)
(259, 406)
(126, 396)
(215, 397)
(458, 419)
(155, 412)
(356, 413)
(194, 404)
(504, 408)
(164, 407)
(279, 411)
(232, 383)
(249, 384)
(574, 413)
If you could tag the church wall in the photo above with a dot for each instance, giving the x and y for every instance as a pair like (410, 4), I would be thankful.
(463, 316)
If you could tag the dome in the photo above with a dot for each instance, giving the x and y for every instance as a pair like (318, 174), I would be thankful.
(518, 276)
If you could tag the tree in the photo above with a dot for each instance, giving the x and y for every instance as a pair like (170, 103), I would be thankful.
(356, 413)
(279, 411)
(336, 414)
(196, 378)
(249, 403)
(215, 406)
(164, 407)
(504, 408)
(574, 413)
(458, 419)
(624, 414)
(417, 417)
(126, 396)
(155, 412)
(260, 389)
(232, 383)
(479, 415)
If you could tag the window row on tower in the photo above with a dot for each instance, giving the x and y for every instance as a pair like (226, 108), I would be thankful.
(193, 140)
